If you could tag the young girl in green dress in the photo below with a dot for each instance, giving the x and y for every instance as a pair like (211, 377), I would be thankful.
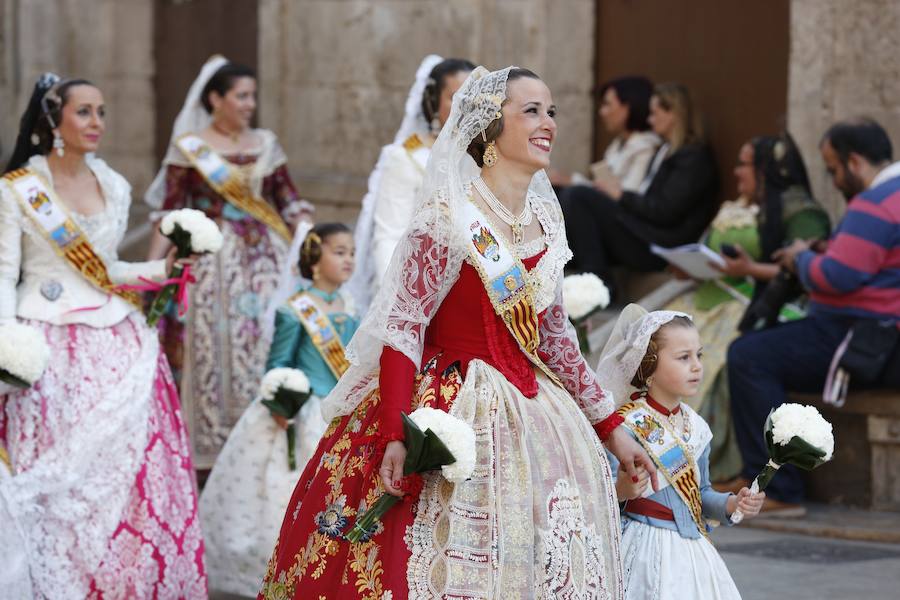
(248, 490)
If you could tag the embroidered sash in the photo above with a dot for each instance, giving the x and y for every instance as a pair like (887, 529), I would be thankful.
(670, 454)
(50, 217)
(505, 281)
(228, 181)
(320, 330)
(417, 151)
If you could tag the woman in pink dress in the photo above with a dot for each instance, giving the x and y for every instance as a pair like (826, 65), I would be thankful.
(102, 484)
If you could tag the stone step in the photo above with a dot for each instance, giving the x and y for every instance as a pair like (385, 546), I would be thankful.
(836, 521)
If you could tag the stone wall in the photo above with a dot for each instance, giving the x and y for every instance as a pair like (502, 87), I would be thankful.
(334, 75)
(844, 63)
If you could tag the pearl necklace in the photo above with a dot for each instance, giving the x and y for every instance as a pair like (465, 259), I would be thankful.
(517, 224)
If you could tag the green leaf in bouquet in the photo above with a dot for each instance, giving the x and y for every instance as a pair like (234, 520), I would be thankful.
(797, 452)
(286, 403)
(182, 241)
(424, 449)
(9, 378)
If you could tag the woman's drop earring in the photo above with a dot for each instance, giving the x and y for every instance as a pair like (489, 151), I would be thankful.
(490, 155)
(435, 126)
(59, 145)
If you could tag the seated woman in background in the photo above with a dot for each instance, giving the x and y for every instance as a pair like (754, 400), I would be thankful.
(610, 226)
(775, 207)
(624, 109)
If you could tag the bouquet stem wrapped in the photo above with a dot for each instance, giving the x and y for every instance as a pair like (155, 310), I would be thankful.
(284, 392)
(434, 440)
(795, 435)
(192, 232)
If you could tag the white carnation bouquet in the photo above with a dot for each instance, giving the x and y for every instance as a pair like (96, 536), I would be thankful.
(284, 391)
(23, 355)
(434, 440)
(795, 435)
(583, 295)
(192, 232)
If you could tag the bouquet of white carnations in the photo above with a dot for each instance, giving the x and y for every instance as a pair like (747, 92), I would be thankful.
(583, 295)
(192, 232)
(434, 440)
(795, 435)
(284, 391)
(23, 355)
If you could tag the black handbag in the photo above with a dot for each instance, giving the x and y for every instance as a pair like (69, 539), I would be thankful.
(872, 356)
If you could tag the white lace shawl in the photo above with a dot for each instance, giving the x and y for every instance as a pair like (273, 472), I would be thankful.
(428, 260)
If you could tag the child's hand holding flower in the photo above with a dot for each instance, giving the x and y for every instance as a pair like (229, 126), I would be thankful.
(748, 503)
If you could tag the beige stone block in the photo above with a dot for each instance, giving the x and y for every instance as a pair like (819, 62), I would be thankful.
(569, 31)
(572, 150)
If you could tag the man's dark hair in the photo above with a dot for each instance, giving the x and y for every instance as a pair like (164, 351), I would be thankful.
(862, 136)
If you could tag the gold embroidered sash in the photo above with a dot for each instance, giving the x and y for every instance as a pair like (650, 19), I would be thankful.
(50, 217)
(505, 281)
(323, 335)
(670, 454)
(418, 152)
(228, 181)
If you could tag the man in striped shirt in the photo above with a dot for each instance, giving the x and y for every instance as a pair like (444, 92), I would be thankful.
(857, 277)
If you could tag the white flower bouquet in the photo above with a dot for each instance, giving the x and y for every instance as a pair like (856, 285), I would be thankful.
(434, 440)
(583, 295)
(795, 435)
(23, 355)
(284, 391)
(192, 232)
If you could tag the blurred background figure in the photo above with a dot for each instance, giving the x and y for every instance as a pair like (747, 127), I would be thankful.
(609, 226)
(218, 349)
(394, 184)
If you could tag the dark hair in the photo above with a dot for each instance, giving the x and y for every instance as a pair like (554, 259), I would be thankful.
(635, 92)
(862, 136)
(311, 250)
(779, 167)
(42, 114)
(437, 81)
(651, 357)
(223, 80)
(492, 132)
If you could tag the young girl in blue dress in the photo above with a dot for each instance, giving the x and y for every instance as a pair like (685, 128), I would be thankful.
(650, 363)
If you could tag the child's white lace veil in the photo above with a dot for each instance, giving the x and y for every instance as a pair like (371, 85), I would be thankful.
(626, 347)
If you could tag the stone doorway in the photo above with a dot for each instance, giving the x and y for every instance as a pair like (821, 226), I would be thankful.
(186, 33)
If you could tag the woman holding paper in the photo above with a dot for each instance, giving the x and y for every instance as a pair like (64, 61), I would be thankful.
(775, 207)
(102, 488)
(610, 226)
(238, 176)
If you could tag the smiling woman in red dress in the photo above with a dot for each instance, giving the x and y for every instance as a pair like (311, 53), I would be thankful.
(538, 518)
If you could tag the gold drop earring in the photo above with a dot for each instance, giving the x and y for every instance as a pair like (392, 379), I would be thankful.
(490, 155)
(58, 144)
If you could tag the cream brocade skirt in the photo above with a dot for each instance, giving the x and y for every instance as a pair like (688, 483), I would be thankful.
(538, 519)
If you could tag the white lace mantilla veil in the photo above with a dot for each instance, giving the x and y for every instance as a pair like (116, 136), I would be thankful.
(626, 347)
(194, 118)
(360, 284)
(427, 261)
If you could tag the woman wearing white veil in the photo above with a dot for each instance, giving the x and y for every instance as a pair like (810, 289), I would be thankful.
(538, 518)
(237, 175)
(396, 180)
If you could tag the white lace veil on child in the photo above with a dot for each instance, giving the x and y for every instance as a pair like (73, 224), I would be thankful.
(626, 347)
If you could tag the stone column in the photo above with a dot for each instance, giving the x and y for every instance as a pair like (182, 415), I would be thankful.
(844, 63)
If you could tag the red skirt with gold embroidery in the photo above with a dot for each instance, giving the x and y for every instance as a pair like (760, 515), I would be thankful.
(311, 560)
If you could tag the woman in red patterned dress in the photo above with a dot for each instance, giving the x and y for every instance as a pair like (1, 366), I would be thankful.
(538, 518)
